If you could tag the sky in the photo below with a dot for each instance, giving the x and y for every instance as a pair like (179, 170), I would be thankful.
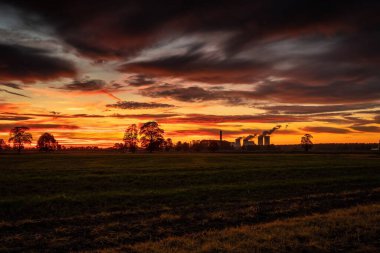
(85, 71)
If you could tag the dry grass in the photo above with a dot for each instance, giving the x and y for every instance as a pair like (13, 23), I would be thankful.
(348, 230)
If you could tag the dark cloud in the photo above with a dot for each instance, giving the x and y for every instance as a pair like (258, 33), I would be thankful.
(358, 120)
(300, 109)
(12, 85)
(116, 27)
(85, 85)
(28, 64)
(331, 93)
(14, 118)
(372, 129)
(297, 60)
(174, 118)
(13, 93)
(331, 130)
(377, 119)
(115, 86)
(145, 116)
(323, 52)
(279, 91)
(38, 126)
(115, 115)
(140, 80)
(91, 85)
(132, 105)
(191, 94)
(196, 66)
(343, 119)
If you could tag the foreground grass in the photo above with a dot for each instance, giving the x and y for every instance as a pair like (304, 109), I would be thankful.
(355, 229)
(89, 201)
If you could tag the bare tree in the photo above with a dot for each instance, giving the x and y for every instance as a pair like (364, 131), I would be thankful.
(306, 142)
(151, 136)
(19, 136)
(131, 138)
(47, 142)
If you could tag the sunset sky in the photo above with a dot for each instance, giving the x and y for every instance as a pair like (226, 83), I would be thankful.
(84, 70)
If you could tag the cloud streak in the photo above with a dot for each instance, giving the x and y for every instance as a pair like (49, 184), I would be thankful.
(132, 105)
(14, 93)
(322, 129)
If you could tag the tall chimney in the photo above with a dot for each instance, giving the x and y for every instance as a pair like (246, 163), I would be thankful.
(267, 140)
(260, 140)
(221, 139)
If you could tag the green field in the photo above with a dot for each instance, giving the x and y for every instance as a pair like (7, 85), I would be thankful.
(189, 202)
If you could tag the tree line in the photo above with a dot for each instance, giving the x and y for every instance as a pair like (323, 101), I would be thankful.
(19, 136)
(149, 136)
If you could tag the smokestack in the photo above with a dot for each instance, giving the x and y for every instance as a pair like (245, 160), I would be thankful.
(267, 140)
(260, 140)
(220, 139)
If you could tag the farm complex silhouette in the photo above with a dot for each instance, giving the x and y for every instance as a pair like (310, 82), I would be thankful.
(150, 137)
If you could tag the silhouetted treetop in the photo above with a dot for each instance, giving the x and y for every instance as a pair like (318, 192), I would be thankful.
(306, 142)
(19, 136)
(131, 138)
(151, 136)
(47, 142)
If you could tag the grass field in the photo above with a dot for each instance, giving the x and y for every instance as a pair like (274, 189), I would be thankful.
(189, 202)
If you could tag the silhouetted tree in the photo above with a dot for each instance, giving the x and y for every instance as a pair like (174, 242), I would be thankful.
(19, 136)
(178, 146)
(168, 144)
(185, 147)
(196, 146)
(131, 138)
(3, 145)
(151, 136)
(47, 142)
(119, 146)
(306, 142)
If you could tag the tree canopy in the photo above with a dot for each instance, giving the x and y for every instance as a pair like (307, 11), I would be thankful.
(47, 142)
(19, 136)
(2, 144)
(152, 136)
(306, 142)
(131, 138)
